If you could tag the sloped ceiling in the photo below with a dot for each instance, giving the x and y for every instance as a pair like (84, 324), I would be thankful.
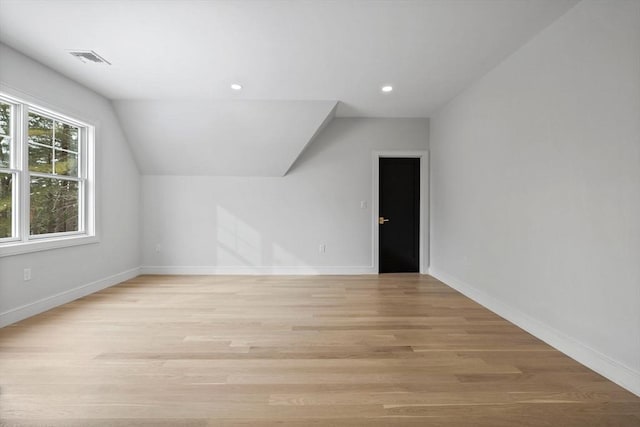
(250, 138)
(285, 53)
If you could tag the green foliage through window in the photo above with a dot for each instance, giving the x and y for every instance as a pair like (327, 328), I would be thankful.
(53, 150)
(6, 217)
(6, 178)
(5, 135)
(53, 175)
(53, 146)
(54, 205)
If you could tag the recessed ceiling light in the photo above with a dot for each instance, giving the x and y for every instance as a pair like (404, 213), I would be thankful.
(387, 88)
(236, 86)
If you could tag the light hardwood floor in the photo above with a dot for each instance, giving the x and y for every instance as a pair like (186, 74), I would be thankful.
(387, 350)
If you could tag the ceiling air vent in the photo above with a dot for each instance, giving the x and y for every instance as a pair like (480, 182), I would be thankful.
(89, 56)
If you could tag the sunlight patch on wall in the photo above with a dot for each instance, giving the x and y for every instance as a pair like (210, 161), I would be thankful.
(238, 242)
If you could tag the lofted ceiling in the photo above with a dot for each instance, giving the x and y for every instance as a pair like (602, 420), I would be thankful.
(166, 51)
(256, 138)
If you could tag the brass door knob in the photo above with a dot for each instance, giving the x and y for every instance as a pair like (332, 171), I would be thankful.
(382, 220)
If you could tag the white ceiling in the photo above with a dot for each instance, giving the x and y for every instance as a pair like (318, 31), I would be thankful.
(279, 50)
(169, 51)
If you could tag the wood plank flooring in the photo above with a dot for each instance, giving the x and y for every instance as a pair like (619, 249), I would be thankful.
(389, 350)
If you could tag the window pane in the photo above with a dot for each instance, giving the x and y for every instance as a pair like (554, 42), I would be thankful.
(40, 159)
(6, 216)
(40, 129)
(66, 163)
(5, 131)
(5, 119)
(66, 137)
(5, 152)
(54, 205)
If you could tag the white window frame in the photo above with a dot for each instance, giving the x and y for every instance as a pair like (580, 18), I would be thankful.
(22, 242)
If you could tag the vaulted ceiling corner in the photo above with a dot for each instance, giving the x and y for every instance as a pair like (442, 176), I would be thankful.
(330, 116)
(213, 137)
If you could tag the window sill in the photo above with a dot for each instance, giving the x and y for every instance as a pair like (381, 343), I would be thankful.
(18, 248)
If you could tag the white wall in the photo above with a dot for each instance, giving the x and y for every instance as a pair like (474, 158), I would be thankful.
(240, 224)
(57, 274)
(536, 188)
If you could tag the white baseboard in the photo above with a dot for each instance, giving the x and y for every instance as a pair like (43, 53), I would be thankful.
(615, 371)
(259, 270)
(19, 313)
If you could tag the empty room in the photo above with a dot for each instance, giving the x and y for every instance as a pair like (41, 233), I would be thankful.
(319, 213)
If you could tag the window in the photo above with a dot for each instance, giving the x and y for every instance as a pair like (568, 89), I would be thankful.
(46, 179)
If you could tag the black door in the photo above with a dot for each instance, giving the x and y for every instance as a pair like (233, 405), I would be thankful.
(399, 215)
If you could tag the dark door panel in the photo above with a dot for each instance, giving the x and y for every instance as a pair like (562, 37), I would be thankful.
(399, 226)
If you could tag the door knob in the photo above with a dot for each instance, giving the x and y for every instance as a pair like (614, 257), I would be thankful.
(382, 220)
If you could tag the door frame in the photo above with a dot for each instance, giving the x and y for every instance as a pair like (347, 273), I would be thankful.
(423, 248)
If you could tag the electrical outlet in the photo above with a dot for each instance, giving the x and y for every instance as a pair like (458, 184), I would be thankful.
(27, 274)
(363, 204)
(158, 247)
(322, 248)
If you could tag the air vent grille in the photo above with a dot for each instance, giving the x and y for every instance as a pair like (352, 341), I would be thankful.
(89, 56)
